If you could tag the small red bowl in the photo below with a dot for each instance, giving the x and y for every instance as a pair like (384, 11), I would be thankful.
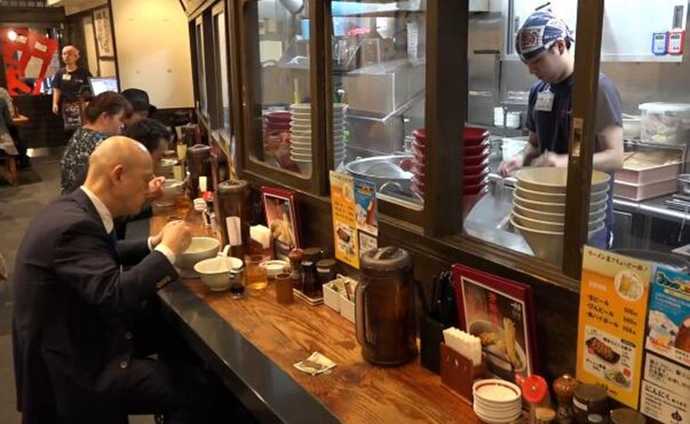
(478, 159)
(470, 180)
(279, 116)
(472, 135)
(476, 150)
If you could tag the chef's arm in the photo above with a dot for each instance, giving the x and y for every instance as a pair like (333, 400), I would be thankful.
(610, 158)
(531, 150)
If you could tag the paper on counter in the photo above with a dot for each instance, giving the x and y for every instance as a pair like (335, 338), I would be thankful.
(315, 364)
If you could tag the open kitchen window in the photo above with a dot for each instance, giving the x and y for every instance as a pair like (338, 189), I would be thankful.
(377, 87)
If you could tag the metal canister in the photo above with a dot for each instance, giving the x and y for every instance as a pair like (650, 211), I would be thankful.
(233, 202)
(590, 403)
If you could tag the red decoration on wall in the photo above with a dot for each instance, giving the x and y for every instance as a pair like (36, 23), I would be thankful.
(18, 50)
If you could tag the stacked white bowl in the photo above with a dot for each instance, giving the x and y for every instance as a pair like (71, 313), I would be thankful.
(301, 134)
(539, 204)
(497, 401)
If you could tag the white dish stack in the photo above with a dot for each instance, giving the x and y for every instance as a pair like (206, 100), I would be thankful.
(301, 134)
(497, 401)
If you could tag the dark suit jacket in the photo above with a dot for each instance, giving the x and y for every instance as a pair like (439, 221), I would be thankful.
(71, 331)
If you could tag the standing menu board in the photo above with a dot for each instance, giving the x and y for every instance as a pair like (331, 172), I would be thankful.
(611, 327)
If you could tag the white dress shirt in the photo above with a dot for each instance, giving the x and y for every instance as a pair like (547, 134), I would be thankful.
(107, 219)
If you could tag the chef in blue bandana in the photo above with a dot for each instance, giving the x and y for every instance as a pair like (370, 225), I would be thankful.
(546, 45)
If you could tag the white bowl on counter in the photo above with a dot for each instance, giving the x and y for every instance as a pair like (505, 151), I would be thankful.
(215, 272)
(199, 249)
(555, 180)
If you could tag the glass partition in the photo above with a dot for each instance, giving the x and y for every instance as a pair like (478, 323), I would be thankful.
(222, 75)
(378, 80)
(643, 125)
(281, 88)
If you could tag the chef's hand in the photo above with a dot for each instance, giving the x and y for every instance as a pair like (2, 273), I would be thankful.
(551, 159)
(176, 237)
(509, 166)
(155, 188)
(56, 108)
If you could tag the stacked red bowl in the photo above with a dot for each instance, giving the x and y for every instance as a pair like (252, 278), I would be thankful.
(476, 152)
(277, 122)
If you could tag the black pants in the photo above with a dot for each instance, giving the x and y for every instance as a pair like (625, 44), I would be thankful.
(174, 383)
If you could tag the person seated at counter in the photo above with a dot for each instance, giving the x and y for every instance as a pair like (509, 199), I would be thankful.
(142, 109)
(104, 117)
(152, 134)
(7, 144)
(79, 357)
(546, 45)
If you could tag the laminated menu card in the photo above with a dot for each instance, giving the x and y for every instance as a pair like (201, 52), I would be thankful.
(669, 315)
(611, 327)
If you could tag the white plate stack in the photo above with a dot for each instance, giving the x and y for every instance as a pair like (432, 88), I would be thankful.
(301, 134)
(497, 401)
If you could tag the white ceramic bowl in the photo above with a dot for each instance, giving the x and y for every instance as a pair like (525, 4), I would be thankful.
(554, 180)
(214, 272)
(558, 218)
(300, 107)
(171, 189)
(538, 224)
(551, 207)
(274, 267)
(540, 196)
(547, 245)
(496, 391)
(199, 249)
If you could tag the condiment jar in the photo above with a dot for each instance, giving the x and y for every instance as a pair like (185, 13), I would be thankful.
(627, 416)
(237, 282)
(284, 294)
(590, 404)
(564, 388)
(544, 415)
(295, 256)
(313, 254)
(325, 269)
(310, 283)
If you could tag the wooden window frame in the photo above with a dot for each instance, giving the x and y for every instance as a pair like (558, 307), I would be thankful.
(316, 184)
(217, 114)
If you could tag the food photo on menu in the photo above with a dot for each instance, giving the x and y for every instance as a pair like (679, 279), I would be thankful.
(497, 312)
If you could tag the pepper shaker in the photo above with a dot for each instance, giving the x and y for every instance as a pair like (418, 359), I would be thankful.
(564, 388)
(295, 256)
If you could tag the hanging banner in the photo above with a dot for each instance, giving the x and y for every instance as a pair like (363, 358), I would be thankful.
(614, 293)
(346, 245)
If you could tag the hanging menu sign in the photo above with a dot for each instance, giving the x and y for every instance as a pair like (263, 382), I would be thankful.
(611, 326)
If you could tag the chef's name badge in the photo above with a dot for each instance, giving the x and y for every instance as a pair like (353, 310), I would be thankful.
(66, 77)
(544, 101)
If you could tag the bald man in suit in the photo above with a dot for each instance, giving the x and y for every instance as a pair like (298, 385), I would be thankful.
(75, 342)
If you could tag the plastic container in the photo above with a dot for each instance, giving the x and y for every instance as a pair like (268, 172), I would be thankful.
(639, 192)
(647, 174)
(331, 297)
(666, 123)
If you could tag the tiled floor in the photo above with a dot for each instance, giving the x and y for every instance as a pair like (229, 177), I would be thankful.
(37, 187)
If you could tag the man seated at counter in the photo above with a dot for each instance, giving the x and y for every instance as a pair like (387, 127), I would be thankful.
(79, 355)
(141, 108)
(546, 45)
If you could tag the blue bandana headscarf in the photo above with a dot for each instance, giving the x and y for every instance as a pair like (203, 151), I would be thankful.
(539, 33)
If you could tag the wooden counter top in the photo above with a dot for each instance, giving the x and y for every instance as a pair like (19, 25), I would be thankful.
(354, 391)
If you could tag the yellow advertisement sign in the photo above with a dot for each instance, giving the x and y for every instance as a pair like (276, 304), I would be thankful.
(614, 292)
(344, 219)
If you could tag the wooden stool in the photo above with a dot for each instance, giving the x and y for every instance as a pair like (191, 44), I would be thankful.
(9, 170)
